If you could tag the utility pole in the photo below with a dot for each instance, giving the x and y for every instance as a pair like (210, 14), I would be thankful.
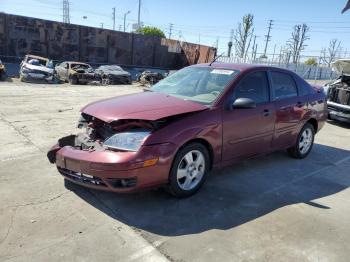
(229, 44)
(66, 17)
(138, 17)
(268, 37)
(170, 29)
(113, 18)
(101, 25)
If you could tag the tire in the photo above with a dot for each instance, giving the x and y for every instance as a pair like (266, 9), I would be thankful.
(329, 117)
(186, 178)
(304, 142)
(73, 80)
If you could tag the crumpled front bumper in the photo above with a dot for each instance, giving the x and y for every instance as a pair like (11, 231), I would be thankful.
(35, 76)
(338, 111)
(115, 171)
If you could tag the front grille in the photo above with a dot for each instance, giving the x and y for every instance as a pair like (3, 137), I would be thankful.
(79, 177)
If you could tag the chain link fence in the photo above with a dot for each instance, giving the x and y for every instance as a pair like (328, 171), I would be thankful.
(308, 72)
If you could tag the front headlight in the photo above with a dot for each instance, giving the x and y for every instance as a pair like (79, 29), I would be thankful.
(128, 141)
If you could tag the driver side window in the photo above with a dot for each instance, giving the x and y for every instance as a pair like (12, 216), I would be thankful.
(254, 86)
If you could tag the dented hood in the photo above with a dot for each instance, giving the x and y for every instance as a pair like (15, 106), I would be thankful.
(143, 106)
(341, 66)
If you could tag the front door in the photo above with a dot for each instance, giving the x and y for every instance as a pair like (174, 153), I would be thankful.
(249, 132)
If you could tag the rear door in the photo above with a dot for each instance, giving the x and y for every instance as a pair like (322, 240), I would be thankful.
(249, 132)
(289, 108)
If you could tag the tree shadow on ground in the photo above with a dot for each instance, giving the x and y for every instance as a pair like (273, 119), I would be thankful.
(232, 196)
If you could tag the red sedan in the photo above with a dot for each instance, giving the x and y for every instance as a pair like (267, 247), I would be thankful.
(200, 118)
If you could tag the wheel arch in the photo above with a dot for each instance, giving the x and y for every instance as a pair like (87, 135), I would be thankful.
(314, 123)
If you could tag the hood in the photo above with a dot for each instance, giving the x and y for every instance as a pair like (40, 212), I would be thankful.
(144, 106)
(341, 66)
(39, 68)
(117, 73)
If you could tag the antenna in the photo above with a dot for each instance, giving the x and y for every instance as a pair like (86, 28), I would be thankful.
(216, 58)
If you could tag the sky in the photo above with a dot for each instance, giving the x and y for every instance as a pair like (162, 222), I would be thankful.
(205, 21)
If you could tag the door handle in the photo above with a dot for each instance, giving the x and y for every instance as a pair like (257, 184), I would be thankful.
(267, 112)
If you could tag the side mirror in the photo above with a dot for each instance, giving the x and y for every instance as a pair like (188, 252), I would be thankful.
(243, 103)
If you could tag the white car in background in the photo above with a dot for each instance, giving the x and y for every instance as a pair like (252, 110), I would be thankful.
(36, 68)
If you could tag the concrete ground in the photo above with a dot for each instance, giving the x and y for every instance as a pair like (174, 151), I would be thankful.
(273, 208)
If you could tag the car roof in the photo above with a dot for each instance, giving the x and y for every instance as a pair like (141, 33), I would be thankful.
(37, 57)
(74, 62)
(239, 67)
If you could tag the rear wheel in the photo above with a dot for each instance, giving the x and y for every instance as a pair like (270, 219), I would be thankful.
(73, 80)
(304, 142)
(189, 170)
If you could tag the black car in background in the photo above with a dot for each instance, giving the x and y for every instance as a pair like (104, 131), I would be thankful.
(114, 74)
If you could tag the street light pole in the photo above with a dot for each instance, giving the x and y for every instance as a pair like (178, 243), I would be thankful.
(125, 18)
(138, 17)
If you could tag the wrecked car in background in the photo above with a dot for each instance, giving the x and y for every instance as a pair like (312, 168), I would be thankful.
(76, 73)
(338, 92)
(149, 78)
(36, 68)
(113, 74)
(2, 71)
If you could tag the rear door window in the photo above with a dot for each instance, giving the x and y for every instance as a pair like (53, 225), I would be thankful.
(283, 85)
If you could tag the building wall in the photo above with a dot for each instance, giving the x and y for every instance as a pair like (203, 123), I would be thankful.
(21, 35)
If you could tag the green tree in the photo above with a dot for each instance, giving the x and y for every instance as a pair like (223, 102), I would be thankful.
(151, 30)
(311, 61)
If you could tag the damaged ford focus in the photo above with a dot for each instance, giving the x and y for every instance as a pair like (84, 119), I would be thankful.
(198, 119)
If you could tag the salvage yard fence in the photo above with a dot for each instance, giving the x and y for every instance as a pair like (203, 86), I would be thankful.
(309, 72)
(20, 35)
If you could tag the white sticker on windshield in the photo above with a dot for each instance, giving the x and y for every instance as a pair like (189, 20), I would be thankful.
(221, 72)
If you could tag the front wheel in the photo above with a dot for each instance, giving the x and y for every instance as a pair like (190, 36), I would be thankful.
(304, 142)
(189, 170)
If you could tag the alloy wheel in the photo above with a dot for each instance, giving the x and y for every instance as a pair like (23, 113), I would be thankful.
(305, 141)
(190, 170)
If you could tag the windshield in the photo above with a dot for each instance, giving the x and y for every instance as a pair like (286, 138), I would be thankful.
(198, 84)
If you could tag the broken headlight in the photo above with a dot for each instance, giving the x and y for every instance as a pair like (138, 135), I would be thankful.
(128, 141)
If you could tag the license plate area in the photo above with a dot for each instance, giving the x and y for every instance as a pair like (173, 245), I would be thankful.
(72, 164)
